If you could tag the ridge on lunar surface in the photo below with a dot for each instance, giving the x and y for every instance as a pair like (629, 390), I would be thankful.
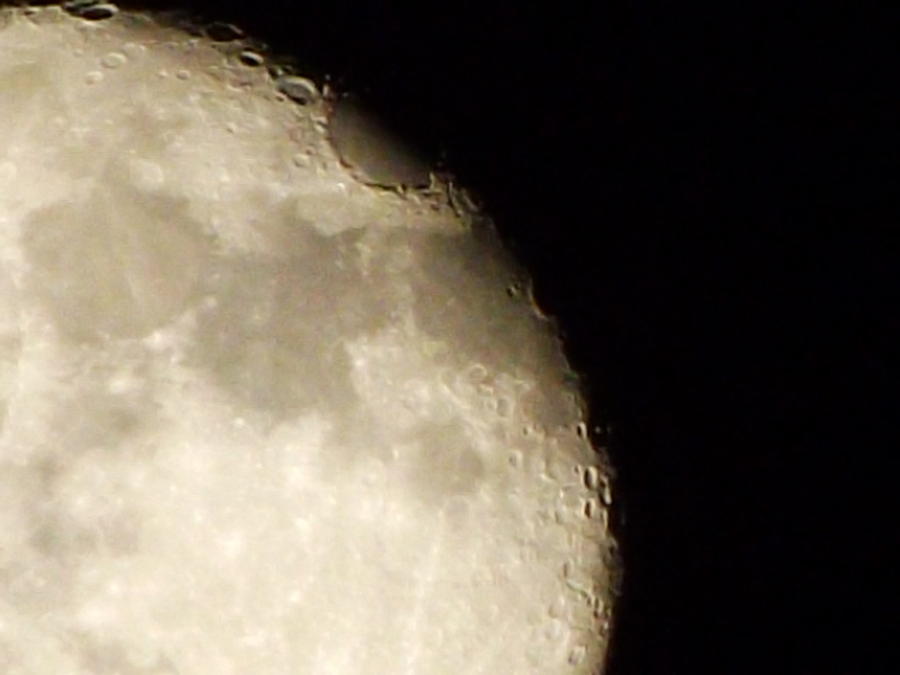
(258, 416)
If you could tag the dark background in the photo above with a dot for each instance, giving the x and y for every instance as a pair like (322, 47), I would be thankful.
(701, 196)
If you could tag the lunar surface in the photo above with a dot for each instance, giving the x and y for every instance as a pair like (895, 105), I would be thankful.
(268, 405)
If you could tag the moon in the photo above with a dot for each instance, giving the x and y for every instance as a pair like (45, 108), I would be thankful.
(273, 397)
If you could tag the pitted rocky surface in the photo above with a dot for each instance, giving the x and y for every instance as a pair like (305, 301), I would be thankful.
(257, 416)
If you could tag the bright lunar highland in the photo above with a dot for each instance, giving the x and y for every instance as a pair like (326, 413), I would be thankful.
(263, 412)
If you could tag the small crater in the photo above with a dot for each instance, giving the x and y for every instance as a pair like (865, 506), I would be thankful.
(476, 374)
(591, 478)
(91, 10)
(99, 12)
(576, 656)
(251, 59)
(299, 89)
(503, 407)
(302, 159)
(553, 631)
(114, 60)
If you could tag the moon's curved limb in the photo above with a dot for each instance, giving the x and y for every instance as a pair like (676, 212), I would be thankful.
(263, 411)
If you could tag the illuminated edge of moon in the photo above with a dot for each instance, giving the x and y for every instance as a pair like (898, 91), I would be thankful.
(175, 377)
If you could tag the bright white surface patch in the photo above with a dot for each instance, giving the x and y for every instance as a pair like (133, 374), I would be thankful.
(256, 416)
